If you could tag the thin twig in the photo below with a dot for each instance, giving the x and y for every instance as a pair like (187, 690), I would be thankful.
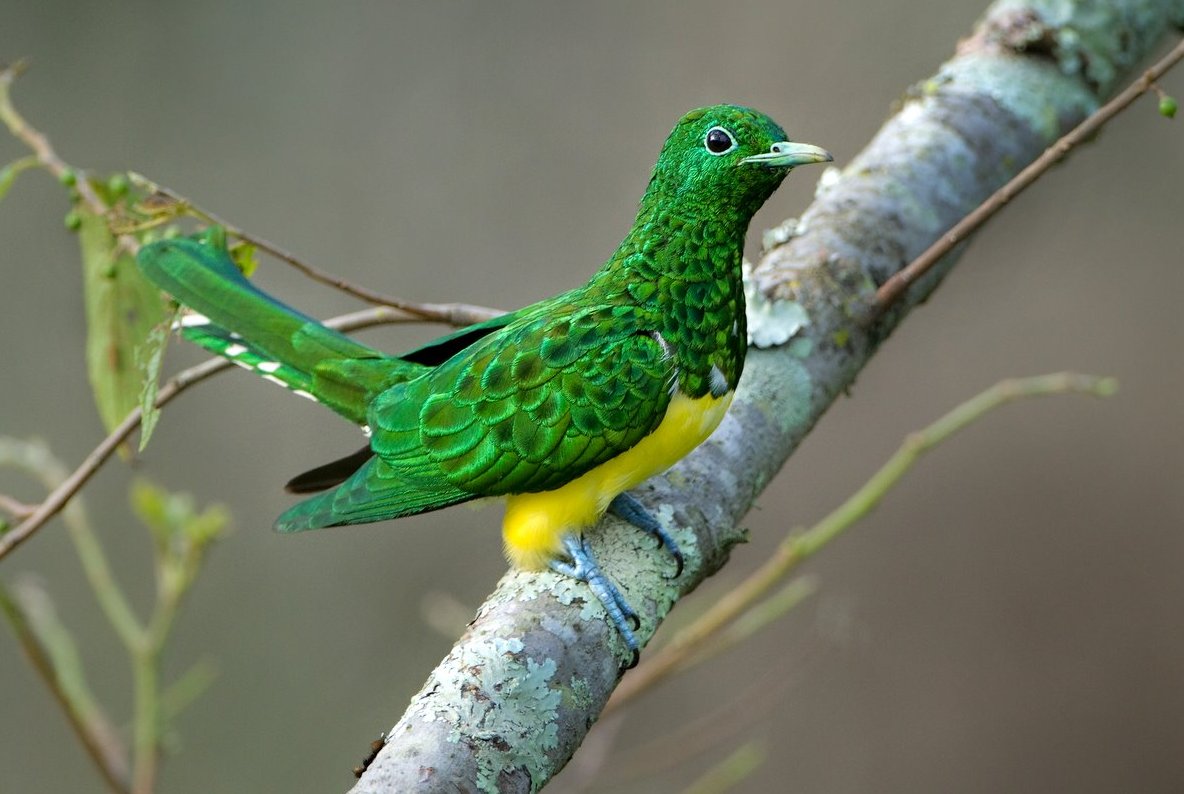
(46, 155)
(799, 546)
(452, 313)
(98, 738)
(52, 650)
(688, 743)
(16, 508)
(392, 310)
(32, 138)
(457, 314)
(61, 495)
(35, 458)
(730, 772)
(892, 289)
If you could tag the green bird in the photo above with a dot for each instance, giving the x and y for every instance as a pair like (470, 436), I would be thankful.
(559, 407)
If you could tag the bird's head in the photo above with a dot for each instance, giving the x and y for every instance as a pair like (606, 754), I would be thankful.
(726, 158)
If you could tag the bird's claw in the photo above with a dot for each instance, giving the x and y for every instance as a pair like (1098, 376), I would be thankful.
(628, 508)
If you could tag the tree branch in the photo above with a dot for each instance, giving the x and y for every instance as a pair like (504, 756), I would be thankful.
(28, 606)
(802, 544)
(515, 697)
(451, 313)
(60, 496)
(896, 285)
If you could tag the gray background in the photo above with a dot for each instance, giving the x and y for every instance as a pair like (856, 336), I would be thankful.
(1008, 620)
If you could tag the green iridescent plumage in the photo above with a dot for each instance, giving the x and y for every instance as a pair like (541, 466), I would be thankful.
(532, 400)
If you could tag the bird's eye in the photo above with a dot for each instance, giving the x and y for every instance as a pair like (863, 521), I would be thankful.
(719, 141)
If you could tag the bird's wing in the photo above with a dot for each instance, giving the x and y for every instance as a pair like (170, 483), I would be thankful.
(375, 492)
(431, 354)
(535, 406)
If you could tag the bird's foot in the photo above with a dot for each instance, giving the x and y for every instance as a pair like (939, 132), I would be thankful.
(628, 508)
(583, 566)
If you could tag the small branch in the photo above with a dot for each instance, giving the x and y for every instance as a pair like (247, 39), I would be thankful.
(35, 458)
(15, 508)
(798, 547)
(62, 494)
(181, 541)
(40, 144)
(891, 290)
(758, 616)
(690, 742)
(452, 313)
(391, 310)
(98, 737)
(144, 720)
(186, 689)
(731, 771)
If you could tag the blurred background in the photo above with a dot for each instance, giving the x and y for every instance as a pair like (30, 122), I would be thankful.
(1007, 620)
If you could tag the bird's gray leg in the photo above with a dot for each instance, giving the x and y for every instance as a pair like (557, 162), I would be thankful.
(583, 567)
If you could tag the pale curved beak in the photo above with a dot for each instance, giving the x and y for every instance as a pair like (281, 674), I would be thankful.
(786, 154)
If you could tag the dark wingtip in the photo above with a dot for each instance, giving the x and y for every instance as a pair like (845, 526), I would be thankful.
(329, 474)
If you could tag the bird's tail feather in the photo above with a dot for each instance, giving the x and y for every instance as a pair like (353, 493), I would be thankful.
(235, 319)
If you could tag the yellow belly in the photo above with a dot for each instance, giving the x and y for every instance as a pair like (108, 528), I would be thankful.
(535, 523)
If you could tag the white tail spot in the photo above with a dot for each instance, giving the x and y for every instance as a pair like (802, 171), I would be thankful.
(267, 366)
(305, 395)
(234, 351)
(191, 320)
(275, 380)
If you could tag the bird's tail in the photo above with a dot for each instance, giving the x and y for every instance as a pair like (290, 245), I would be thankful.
(235, 319)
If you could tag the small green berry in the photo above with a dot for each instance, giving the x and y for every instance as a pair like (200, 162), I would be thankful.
(73, 220)
(117, 185)
(1168, 106)
(68, 177)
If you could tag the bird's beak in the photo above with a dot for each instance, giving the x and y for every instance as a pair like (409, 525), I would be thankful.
(785, 154)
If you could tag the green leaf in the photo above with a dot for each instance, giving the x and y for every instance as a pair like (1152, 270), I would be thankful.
(11, 171)
(151, 505)
(244, 255)
(188, 688)
(149, 357)
(7, 177)
(176, 525)
(122, 308)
